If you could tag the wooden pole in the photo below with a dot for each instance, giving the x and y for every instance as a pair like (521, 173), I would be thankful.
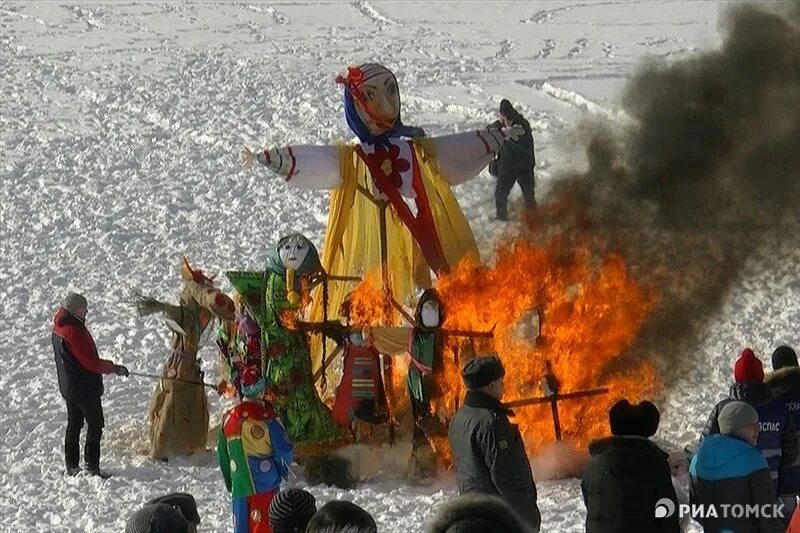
(325, 363)
(524, 402)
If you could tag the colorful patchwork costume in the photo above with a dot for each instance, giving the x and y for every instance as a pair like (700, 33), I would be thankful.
(273, 298)
(254, 454)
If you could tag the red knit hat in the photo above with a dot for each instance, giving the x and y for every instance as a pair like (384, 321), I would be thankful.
(252, 382)
(748, 368)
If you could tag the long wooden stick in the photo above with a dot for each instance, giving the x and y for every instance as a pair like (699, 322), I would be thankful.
(192, 382)
(334, 354)
(547, 399)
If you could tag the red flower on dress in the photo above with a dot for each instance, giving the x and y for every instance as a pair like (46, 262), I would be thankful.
(389, 163)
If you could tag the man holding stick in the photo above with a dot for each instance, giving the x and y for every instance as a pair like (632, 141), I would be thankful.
(80, 380)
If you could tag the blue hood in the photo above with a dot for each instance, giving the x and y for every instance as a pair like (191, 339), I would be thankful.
(723, 457)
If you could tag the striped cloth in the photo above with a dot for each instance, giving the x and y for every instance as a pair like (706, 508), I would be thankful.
(157, 518)
(291, 510)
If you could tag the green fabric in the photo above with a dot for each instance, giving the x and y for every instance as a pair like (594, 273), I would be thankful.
(242, 478)
(286, 359)
(423, 349)
(306, 418)
(224, 458)
(238, 481)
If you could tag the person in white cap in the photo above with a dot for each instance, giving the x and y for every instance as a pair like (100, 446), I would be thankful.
(729, 470)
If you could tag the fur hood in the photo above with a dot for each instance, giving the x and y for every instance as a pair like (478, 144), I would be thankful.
(477, 513)
(631, 444)
(784, 382)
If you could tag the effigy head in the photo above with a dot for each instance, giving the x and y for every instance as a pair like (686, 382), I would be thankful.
(295, 253)
(430, 312)
(196, 275)
(372, 103)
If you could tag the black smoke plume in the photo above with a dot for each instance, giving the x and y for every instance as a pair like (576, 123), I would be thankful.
(705, 174)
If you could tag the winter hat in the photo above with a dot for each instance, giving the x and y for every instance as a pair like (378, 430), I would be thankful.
(341, 516)
(184, 503)
(748, 368)
(252, 382)
(157, 518)
(478, 513)
(73, 302)
(482, 371)
(782, 357)
(291, 510)
(639, 420)
(506, 108)
(735, 415)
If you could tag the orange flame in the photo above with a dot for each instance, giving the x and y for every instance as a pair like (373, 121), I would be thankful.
(370, 305)
(590, 310)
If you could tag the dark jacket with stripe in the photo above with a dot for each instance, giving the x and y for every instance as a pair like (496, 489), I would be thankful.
(625, 478)
(79, 367)
(785, 385)
(490, 456)
(726, 471)
(777, 438)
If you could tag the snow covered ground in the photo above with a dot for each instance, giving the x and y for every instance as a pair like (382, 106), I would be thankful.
(120, 127)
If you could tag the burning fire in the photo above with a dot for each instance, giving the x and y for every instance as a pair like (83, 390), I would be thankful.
(590, 309)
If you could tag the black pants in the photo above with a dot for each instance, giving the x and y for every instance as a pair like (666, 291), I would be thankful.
(91, 410)
(503, 189)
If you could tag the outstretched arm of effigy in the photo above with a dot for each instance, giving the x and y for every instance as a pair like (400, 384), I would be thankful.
(304, 166)
(462, 156)
(146, 305)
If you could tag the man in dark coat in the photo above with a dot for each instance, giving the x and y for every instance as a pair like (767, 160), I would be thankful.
(628, 474)
(777, 438)
(80, 380)
(515, 162)
(488, 450)
(728, 470)
(785, 385)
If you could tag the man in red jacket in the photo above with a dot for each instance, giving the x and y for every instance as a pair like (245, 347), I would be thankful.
(80, 380)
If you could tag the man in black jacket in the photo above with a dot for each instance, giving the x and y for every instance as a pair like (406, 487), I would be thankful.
(785, 385)
(80, 381)
(488, 450)
(628, 474)
(515, 162)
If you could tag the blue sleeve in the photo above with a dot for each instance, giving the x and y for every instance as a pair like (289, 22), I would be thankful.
(282, 449)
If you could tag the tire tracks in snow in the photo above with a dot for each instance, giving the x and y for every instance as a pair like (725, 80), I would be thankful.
(546, 15)
(271, 11)
(574, 99)
(366, 9)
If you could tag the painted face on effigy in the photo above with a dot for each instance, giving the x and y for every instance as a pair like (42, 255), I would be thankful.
(379, 105)
(429, 314)
(293, 252)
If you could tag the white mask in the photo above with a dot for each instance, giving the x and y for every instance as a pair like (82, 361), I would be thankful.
(293, 252)
(429, 314)
(356, 338)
